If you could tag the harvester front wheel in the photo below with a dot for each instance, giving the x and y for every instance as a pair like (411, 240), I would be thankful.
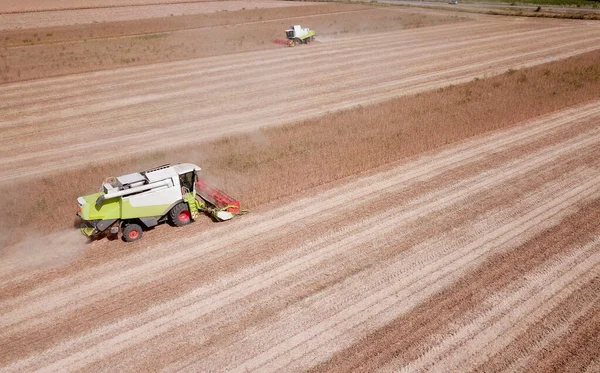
(180, 215)
(132, 232)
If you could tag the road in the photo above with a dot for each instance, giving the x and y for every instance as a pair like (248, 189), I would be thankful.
(448, 262)
(59, 123)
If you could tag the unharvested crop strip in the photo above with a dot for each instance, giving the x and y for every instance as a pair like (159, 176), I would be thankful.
(147, 136)
(188, 87)
(133, 299)
(366, 191)
(235, 72)
(182, 69)
(445, 160)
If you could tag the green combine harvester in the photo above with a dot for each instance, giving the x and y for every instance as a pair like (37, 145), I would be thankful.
(132, 203)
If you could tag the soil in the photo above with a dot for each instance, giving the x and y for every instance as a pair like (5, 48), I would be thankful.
(484, 238)
(85, 15)
(480, 255)
(101, 46)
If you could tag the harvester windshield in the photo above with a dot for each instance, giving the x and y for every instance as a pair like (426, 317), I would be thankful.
(187, 181)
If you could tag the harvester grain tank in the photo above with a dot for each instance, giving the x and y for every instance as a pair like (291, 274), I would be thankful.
(132, 203)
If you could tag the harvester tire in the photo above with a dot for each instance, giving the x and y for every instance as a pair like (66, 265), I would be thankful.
(132, 232)
(180, 215)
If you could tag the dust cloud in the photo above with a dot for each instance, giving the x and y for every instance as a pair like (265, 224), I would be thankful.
(43, 251)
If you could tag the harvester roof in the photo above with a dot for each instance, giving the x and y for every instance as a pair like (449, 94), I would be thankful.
(151, 176)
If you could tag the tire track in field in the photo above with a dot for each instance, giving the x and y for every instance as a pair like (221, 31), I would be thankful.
(509, 313)
(327, 89)
(136, 77)
(331, 331)
(128, 300)
(364, 190)
(224, 116)
(113, 338)
(555, 329)
(213, 74)
(337, 299)
(417, 333)
(365, 193)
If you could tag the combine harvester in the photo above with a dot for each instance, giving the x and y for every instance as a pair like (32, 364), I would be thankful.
(131, 203)
(297, 35)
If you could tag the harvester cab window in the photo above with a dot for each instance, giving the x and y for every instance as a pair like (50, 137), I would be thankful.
(187, 181)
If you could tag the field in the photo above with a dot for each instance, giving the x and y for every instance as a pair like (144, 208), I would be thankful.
(419, 201)
(73, 49)
(16, 6)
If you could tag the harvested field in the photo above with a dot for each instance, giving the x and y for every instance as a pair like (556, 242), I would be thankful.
(448, 261)
(147, 109)
(404, 127)
(423, 199)
(110, 14)
(76, 49)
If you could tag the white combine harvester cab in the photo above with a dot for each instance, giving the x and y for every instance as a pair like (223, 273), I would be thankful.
(296, 31)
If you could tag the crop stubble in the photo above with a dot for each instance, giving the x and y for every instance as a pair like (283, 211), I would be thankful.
(76, 49)
(183, 329)
(468, 248)
(210, 99)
